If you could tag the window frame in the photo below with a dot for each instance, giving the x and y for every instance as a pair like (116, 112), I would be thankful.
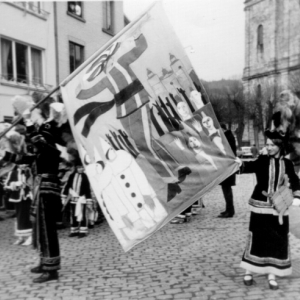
(105, 23)
(31, 9)
(34, 8)
(29, 80)
(81, 52)
(258, 92)
(74, 15)
(8, 119)
(260, 37)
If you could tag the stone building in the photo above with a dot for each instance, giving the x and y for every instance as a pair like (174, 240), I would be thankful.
(272, 49)
(42, 42)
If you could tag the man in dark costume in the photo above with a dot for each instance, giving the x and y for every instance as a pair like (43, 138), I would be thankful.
(230, 181)
(46, 194)
(77, 189)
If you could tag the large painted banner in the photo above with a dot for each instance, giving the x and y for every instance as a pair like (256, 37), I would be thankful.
(148, 138)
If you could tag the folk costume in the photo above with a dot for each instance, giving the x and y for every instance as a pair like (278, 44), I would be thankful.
(267, 249)
(78, 190)
(45, 198)
(46, 186)
(18, 183)
(46, 195)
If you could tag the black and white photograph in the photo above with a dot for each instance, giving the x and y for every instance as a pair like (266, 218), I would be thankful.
(150, 150)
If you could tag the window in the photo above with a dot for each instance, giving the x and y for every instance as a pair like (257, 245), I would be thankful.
(75, 8)
(108, 16)
(21, 63)
(76, 56)
(260, 38)
(35, 6)
(31, 7)
(36, 63)
(258, 92)
(7, 119)
(7, 59)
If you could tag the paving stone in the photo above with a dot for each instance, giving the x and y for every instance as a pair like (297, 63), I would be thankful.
(183, 296)
(164, 266)
(164, 297)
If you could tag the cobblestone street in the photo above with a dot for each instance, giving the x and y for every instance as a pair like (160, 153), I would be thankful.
(197, 260)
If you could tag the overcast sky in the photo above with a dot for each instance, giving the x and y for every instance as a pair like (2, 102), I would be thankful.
(214, 29)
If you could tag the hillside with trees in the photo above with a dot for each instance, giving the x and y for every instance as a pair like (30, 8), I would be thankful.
(229, 102)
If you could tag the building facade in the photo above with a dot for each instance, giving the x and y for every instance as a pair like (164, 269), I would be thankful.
(81, 29)
(27, 51)
(41, 43)
(272, 49)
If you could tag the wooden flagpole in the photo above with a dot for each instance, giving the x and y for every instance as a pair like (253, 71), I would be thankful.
(31, 109)
(81, 67)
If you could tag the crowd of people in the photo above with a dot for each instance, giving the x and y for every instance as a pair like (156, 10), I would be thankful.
(43, 190)
(43, 187)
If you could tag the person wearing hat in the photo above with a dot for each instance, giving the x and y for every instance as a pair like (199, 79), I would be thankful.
(46, 195)
(267, 247)
(18, 185)
(78, 190)
(46, 192)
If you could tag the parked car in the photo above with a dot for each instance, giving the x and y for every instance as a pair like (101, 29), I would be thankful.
(244, 152)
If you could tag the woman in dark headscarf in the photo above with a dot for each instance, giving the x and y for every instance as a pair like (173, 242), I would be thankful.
(267, 249)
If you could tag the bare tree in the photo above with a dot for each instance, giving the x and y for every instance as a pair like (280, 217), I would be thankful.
(294, 82)
(227, 99)
(218, 104)
(259, 106)
(236, 105)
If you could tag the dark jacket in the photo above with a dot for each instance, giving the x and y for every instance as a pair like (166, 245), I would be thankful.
(270, 175)
(230, 181)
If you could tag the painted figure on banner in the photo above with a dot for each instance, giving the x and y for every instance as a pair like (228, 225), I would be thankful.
(129, 200)
(194, 144)
(184, 111)
(77, 192)
(213, 132)
(196, 98)
(191, 120)
(192, 126)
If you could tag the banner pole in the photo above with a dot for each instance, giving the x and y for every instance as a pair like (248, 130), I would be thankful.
(81, 67)
(31, 109)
